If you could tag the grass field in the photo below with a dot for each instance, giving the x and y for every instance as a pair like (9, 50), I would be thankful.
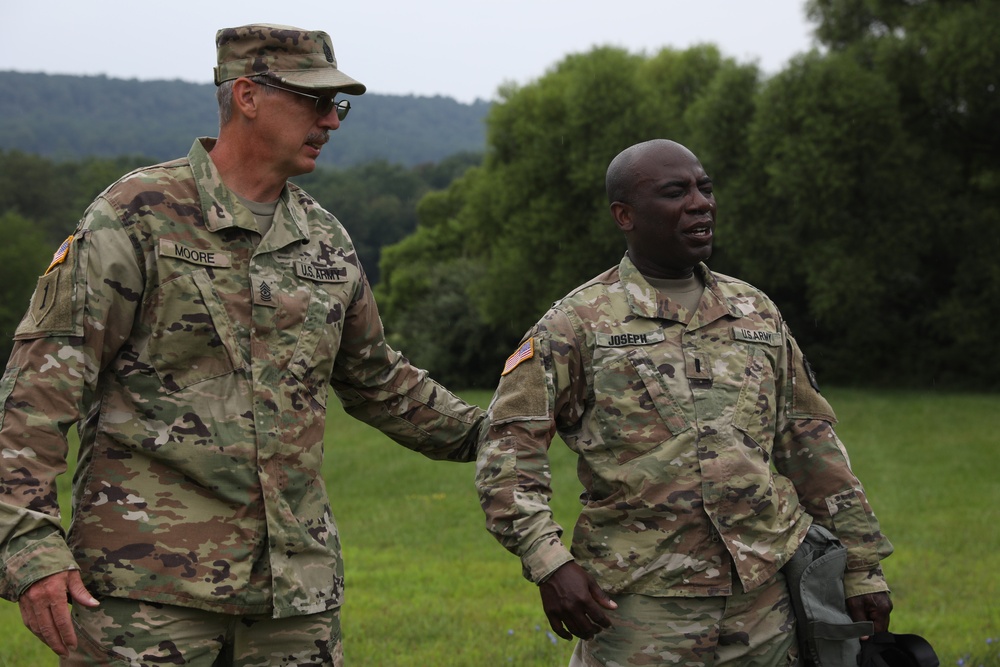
(428, 587)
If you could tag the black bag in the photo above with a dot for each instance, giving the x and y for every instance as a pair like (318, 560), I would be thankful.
(827, 635)
(884, 649)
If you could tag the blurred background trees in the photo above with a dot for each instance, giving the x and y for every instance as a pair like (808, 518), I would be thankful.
(859, 187)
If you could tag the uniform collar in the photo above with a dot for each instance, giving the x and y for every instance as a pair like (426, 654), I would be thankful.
(220, 208)
(643, 298)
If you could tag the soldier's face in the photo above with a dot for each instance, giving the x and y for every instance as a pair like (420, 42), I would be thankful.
(295, 131)
(670, 221)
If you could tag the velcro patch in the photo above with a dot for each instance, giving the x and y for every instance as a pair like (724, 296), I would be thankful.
(630, 339)
(523, 353)
(321, 274)
(754, 336)
(194, 255)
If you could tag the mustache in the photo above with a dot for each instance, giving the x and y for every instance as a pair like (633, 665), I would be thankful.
(318, 138)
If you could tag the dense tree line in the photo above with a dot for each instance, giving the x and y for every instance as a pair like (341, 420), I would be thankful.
(75, 117)
(41, 202)
(859, 187)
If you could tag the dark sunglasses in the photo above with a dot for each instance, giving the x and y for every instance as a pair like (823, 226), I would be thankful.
(324, 103)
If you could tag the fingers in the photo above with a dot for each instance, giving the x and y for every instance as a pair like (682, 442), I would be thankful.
(601, 597)
(45, 611)
(555, 622)
(44, 623)
(874, 607)
(881, 609)
(78, 592)
(574, 603)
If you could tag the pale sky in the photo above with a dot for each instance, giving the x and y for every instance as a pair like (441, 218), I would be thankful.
(460, 48)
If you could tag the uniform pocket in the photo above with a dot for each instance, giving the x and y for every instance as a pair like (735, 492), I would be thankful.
(191, 339)
(634, 409)
(6, 387)
(89, 648)
(318, 342)
(755, 410)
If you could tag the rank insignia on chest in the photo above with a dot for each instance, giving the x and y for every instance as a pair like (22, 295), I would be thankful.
(263, 295)
(523, 353)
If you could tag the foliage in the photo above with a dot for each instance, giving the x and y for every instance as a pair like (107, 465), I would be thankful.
(41, 202)
(859, 187)
(533, 222)
(73, 117)
(377, 201)
(427, 585)
(23, 253)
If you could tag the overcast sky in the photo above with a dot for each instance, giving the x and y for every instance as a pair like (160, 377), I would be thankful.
(460, 48)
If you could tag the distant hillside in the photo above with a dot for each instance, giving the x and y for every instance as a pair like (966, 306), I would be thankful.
(72, 117)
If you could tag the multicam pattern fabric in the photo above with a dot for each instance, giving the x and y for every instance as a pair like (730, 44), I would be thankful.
(755, 628)
(143, 634)
(196, 358)
(703, 445)
(301, 57)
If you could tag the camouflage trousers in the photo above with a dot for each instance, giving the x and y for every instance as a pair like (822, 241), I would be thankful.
(745, 629)
(134, 633)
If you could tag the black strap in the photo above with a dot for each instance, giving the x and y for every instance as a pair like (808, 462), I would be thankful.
(839, 631)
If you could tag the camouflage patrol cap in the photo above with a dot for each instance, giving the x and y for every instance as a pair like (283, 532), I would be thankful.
(302, 58)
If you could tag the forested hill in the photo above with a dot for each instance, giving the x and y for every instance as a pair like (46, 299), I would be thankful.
(71, 117)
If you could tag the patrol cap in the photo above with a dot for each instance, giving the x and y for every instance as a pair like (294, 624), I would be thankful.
(302, 58)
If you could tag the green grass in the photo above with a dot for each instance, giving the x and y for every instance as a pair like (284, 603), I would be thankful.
(426, 585)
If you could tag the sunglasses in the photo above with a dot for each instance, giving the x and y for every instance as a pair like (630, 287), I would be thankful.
(324, 103)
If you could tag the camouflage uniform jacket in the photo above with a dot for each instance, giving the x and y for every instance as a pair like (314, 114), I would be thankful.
(701, 446)
(196, 358)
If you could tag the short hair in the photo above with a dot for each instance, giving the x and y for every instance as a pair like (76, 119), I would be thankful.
(623, 174)
(224, 95)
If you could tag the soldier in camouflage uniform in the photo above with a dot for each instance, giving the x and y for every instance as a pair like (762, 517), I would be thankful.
(191, 327)
(705, 449)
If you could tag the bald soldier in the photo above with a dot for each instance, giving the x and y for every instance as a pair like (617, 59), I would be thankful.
(191, 328)
(705, 449)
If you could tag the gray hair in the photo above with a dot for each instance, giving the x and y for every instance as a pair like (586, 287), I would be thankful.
(224, 95)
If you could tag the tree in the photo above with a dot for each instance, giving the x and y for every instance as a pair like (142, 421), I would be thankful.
(942, 58)
(821, 218)
(533, 222)
(23, 253)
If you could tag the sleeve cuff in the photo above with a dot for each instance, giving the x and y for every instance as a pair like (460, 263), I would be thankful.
(42, 559)
(862, 582)
(544, 557)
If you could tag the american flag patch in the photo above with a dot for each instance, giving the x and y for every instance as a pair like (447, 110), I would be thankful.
(60, 256)
(526, 351)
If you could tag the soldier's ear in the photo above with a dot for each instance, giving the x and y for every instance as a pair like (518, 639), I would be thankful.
(246, 97)
(622, 214)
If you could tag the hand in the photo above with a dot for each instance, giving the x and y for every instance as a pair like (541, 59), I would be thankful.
(874, 607)
(45, 612)
(572, 598)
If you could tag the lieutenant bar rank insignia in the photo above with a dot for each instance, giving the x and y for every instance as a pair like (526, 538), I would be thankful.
(525, 352)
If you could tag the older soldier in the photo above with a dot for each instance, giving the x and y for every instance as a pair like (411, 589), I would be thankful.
(705, 449)
(191, 327)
